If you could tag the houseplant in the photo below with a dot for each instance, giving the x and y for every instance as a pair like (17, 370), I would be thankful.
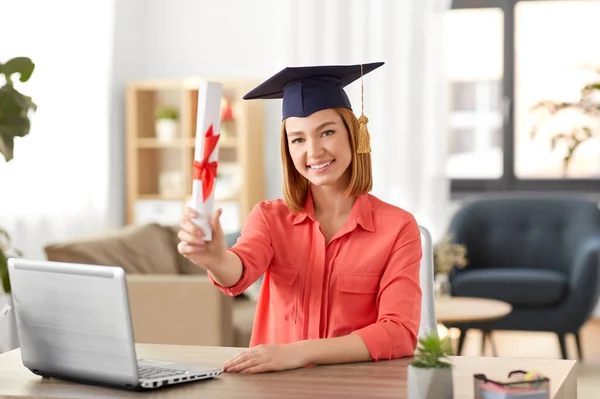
(166, 123)
(447, 255)
(430, 373)
(14, 122)
(586, 110)
(15, 108)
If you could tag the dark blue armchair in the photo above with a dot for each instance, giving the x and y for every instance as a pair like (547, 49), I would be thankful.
(541, 255)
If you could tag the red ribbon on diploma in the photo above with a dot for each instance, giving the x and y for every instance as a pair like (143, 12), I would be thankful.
(204, 170)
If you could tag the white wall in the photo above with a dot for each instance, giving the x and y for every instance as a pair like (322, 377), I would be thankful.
(127, 64)
(229, 38)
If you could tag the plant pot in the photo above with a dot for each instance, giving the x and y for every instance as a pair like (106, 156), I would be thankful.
(429, 383)
(166, 130)
(9, 339)
(442, 286)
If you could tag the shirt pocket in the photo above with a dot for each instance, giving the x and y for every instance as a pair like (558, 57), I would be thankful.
(356, 300)
(284, 291)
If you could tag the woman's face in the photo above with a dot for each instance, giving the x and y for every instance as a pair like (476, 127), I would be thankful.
(319, 146)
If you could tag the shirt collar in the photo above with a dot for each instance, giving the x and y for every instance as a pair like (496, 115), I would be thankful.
(361, 214)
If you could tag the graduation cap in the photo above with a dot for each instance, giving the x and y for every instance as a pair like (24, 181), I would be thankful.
(306, 90)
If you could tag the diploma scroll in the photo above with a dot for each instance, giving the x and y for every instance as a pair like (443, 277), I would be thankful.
(206, 154)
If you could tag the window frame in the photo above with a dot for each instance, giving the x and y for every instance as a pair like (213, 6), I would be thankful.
(509, 182)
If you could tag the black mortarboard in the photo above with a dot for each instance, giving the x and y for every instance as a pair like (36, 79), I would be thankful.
(309, 89)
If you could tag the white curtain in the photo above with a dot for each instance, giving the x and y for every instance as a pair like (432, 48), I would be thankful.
(405, 100)
(57, 186)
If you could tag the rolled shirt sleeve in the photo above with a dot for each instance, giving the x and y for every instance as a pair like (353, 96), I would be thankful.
(395, 333)
(254, 249)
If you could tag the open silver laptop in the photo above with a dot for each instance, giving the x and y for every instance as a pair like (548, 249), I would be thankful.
(74, 323)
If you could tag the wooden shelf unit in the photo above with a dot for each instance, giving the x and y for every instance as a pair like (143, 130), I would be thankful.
(159, 173)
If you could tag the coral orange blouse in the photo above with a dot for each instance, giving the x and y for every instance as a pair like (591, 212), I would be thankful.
(364, 281)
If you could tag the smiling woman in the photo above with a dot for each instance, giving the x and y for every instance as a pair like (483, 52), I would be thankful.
(340, 266)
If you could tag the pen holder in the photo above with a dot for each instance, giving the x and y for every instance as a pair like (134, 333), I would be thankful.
(520, 384)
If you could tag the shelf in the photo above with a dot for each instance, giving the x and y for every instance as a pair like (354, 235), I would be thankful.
(227, 143)
(150, 142)
(159, 173)
(227, 198)
(161, 197)
(222, 198)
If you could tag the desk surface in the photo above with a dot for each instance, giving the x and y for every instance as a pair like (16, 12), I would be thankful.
(385, 379)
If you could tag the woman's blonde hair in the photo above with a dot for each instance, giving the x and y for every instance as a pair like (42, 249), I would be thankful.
(295, 186)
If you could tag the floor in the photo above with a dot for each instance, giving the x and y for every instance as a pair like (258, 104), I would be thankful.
(545, 345)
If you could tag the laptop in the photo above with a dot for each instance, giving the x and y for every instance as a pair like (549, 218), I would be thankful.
(74, 323)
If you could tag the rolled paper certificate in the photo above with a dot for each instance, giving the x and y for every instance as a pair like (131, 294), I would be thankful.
(206, 154)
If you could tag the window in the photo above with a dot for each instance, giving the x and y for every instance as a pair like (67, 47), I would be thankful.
(473, 46)
(504, 57)
(475, 130)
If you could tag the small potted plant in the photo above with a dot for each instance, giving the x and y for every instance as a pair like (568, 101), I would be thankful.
(447, 255)
(166, 118)
(430, 373)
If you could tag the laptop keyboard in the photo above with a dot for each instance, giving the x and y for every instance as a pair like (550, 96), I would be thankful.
(147, 373)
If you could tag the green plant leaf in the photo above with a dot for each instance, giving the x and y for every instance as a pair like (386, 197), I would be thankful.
(14, 115)
(6, 146)
(4, 273)
(15, 126)
(4, 277)
(166, 112)
(21, 65)
(589, 88)
(433, 352)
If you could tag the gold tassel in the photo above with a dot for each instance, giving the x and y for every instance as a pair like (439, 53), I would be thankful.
(364, 140)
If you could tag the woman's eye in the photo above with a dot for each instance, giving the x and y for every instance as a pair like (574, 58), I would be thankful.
(328, 133)
(296, 141)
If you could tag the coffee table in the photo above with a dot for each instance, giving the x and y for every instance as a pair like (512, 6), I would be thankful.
(457, 310)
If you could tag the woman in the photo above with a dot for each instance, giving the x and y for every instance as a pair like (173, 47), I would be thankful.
(341, 267)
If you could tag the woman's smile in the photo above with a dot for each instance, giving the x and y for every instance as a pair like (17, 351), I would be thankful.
(320, 167)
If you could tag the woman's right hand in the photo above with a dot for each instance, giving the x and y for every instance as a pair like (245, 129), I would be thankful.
(207, 254)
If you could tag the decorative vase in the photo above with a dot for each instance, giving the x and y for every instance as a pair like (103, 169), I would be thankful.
(9, 338)
(443, 288)
(429, 383)
(166, 130)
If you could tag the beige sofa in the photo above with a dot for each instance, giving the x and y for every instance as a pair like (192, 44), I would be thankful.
(172, 300)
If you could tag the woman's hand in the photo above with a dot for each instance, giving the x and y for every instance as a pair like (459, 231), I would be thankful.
(265, 358)
(208, 254)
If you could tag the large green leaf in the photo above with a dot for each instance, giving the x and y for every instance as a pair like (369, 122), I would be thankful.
(15, 126)
(14, 117)
(4, 273)
(21, 65)
(4, 277)
(7, 144)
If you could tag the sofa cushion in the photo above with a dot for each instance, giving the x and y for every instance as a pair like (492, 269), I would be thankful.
(184, 265)
(519, 287)
(146, 249)
(244, 311)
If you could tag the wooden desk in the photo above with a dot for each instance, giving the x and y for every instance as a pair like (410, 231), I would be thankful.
(385, 379)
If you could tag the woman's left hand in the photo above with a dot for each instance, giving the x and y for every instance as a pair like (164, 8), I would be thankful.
(265, 358)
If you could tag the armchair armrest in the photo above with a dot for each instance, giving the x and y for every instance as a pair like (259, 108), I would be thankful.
(586, 261)
(179, 310)
(584, 284)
